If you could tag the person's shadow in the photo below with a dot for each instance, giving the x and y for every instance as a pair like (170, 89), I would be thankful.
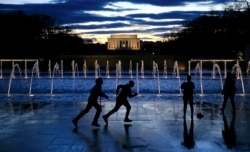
(188, 136)
(228, 133)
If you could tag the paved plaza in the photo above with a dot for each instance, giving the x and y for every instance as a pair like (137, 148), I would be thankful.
(158, 126)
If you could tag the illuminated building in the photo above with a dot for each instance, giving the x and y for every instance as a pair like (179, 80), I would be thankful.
(124, 42)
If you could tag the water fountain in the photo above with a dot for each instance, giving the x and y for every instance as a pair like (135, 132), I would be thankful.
(142, 69)
(149, 87)
(61, 68)
(55, 69)
(107, 70)
(165, 73)
(248, 68)
(154, 69)
(198, 68)
(49, 69)
(12, 75)
(237, 69)
(158, 79)
(119, 69)
(85, 69)
(130, 69)
(97, 69)
(176, 72)
(34, 69)
(137, 80)
(216, 66)
(73, 68)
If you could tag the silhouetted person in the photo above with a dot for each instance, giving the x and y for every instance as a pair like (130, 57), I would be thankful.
(121, 99)
(188, 137)
(188, 95)
(229, 90)
(229, 134)
(95, 92)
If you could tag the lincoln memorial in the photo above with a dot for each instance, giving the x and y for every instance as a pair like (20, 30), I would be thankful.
(124, 42)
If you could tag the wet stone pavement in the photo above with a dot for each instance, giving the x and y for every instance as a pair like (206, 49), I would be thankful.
(158, 126)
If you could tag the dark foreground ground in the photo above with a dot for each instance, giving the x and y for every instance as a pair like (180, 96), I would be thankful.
(157, 126)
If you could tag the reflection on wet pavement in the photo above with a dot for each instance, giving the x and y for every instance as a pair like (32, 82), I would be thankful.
(157, 126)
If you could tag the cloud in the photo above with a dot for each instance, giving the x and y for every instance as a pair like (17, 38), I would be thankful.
(100, 19)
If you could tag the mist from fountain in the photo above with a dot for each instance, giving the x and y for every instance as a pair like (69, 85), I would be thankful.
(12, 75)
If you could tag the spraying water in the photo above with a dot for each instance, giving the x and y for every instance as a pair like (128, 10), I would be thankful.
(137, 81)
(142, 69)
(34, 69)
(49, 69)
(85, 69)
(61, 68)
(12, 75)
(216, 66)
(56, 66)
(176, 72)
(130, 69)
(165, 73)
(97, 69)
(154, 69)
(158, 79)
(198, 68)
(237, 69)
(107, 70)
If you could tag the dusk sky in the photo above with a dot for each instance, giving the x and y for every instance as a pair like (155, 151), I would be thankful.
(98, 19)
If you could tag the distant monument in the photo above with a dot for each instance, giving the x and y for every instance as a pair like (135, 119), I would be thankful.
(124, 42)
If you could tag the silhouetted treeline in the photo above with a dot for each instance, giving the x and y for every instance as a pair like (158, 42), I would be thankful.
(38, 36)
(214, 35)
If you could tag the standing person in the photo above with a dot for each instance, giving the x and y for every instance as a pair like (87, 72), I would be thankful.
(92, 101)
(229, 90)
(188, 95)
(121, 99)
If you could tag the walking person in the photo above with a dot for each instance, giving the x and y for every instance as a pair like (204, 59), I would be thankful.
(121, 99)
(229, 90)
(188, 95)
(95, 92)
